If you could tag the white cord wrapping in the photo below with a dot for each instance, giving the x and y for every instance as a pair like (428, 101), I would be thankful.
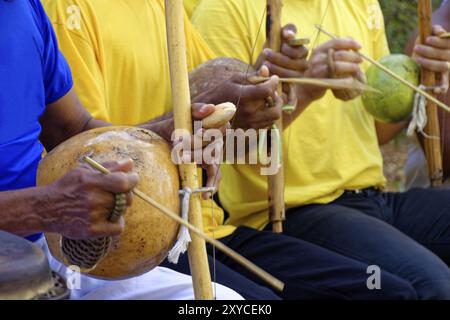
(184, 237)
(419, 116)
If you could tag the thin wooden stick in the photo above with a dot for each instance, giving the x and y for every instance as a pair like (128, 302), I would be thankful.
(269, 279)
(277, 213)
(326, 83)
(176, 43)
(393, 74)
(445, 35)
(433, 150)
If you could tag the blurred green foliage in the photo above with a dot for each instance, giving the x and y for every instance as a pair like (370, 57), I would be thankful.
(401, 20)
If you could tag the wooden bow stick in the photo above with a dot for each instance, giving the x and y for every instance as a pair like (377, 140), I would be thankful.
(277, 212)
(335, 84)
(393, 74)
(269, 279)
(433, 150)
(198, 260)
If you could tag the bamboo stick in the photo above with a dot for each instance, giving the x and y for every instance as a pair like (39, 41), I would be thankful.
(276, 182)
(338, 84)
(176, 44)
(432, 146)
(394, 75)
(269, 279)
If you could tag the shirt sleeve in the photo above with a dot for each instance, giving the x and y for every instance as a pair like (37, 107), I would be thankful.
(223, 25)
(80, 49)
(57, 75)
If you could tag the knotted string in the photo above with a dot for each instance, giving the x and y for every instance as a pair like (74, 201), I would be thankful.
(419, 116)
(184, 237)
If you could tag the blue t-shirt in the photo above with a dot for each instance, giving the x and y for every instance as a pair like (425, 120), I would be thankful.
(33, 74)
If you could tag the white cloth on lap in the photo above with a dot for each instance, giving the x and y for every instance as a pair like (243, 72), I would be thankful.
(158, 284)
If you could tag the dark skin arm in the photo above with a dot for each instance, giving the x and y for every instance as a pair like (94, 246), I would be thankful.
(67, 117)
(77, 205)
(388, 131)
(64, 119)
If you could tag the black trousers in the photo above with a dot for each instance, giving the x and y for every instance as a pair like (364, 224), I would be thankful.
(406, 234)
(308, 271)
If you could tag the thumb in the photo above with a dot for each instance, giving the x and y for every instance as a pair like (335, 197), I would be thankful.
(201, 111)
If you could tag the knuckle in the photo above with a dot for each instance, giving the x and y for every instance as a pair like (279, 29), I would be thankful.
(336, 42)
(80, 176)
(274, 114)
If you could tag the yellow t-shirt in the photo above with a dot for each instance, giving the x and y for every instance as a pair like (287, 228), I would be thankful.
(190, 6)
(117, 51)
(333, 145)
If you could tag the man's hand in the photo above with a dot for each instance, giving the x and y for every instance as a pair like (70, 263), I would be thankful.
(199, 112)
(252, 104)
(434, 55)
(346, 64)
(84, 199)
(290, 62)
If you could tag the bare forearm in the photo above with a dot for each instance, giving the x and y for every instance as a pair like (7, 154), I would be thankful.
(93, 124)
(163, 126)
(22, 212)
(64, 119)
(387, 132)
